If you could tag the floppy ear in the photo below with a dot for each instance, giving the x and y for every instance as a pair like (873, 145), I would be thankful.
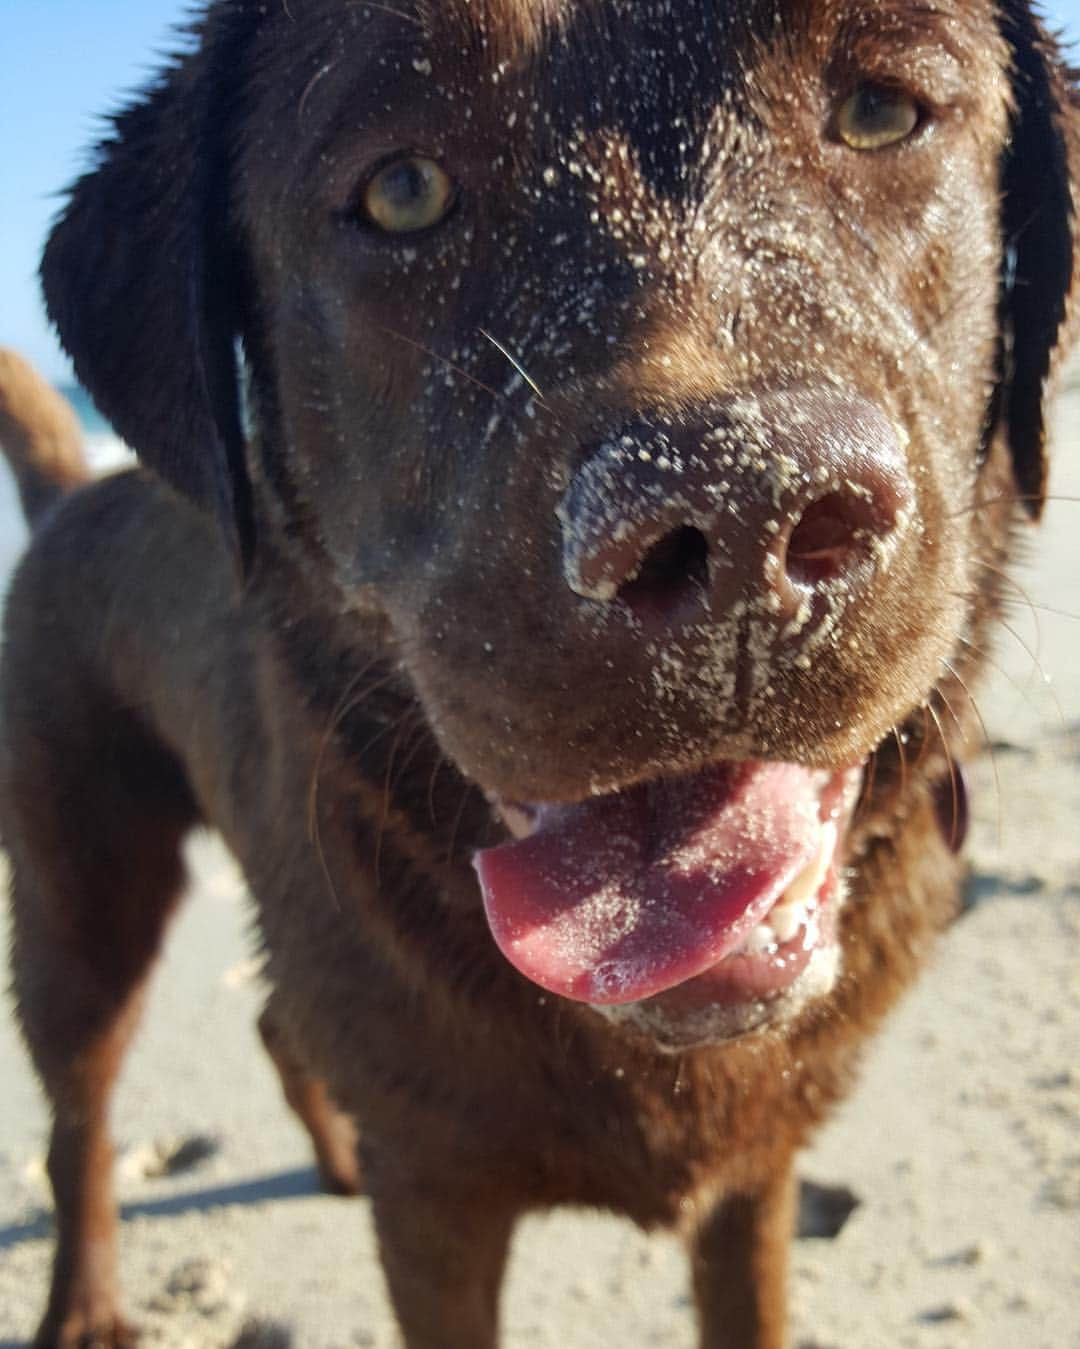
(1040, 167)
(140, 280)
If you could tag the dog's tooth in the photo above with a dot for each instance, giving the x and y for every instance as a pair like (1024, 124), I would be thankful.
(520, 821)
(808, 882)
(758, 940)
(786, 920)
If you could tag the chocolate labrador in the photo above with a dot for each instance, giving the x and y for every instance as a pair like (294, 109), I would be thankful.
(582, 440)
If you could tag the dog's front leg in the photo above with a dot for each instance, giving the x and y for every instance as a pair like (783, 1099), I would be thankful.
(443, 1249)
(334, 1134)
(739, 1255)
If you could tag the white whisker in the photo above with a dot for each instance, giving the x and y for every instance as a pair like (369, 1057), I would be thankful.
(516, 364)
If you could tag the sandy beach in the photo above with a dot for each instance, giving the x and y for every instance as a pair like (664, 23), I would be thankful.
(960, 1151)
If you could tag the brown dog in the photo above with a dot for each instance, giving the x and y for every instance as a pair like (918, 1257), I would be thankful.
(584, 439)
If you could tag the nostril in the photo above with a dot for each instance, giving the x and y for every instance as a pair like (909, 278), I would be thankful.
(669, 571)
(827, 538)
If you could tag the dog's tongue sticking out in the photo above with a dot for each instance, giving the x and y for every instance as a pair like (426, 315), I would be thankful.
(627, 895)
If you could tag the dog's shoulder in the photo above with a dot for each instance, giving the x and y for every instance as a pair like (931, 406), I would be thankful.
(126, 596)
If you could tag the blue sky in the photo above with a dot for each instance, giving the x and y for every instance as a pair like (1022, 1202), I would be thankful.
(67, 62)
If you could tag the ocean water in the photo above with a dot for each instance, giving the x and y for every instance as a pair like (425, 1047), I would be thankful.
(104, 448)
(86, 411)
(105, 452)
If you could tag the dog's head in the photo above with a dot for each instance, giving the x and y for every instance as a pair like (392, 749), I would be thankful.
(643, 367)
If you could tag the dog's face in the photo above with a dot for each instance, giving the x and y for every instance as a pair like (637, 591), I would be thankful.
(639, 366)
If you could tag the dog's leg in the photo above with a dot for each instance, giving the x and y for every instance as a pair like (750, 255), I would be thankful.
(739, 1259)
(333, 1133)
(444, 1252)
(95, 846)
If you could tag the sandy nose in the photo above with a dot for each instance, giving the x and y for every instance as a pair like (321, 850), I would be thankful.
(757, 501)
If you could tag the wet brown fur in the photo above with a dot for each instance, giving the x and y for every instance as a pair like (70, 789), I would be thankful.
(330, 636)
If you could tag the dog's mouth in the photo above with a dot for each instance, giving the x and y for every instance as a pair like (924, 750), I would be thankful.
(697, 906)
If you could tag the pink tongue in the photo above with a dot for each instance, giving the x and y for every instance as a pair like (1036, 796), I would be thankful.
(626, 895)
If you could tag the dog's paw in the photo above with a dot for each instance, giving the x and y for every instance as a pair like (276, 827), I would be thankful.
(257, 1334)
(94, 1327)
(340, 1172)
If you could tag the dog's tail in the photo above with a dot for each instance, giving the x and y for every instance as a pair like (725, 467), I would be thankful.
(40, 436)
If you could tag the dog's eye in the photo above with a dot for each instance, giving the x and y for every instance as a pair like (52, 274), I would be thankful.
(409, 194)
(874, 117)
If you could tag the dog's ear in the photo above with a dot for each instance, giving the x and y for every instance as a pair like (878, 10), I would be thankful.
(142, 284)
(1040, 168)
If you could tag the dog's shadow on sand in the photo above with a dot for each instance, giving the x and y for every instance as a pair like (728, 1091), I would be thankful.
(823, 1210)
(298, 1183)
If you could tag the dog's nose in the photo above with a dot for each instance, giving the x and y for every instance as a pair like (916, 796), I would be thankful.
(755, 501)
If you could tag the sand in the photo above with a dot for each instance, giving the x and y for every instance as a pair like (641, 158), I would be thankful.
(961, 1146)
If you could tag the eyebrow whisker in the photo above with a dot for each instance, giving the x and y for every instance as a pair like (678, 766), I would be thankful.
(436, 356)
(516, 364)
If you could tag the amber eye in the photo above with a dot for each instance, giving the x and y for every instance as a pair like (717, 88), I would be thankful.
(408, 194)
(874, 117)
